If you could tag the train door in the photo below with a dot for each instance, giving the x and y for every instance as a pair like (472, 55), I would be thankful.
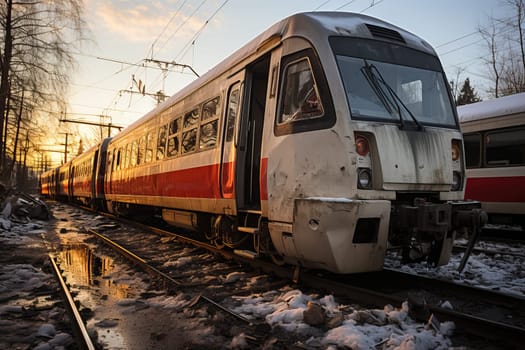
(233, 109)
(242, 135)
(93, 177)
(249, 144)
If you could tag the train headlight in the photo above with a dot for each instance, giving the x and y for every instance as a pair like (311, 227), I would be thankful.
(364, 178)
(361, 146)
(456, 150)
(456, 181)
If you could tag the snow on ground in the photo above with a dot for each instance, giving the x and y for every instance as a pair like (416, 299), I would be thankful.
(333, 326)
(344, 326)
(504, 273)
(28, 317)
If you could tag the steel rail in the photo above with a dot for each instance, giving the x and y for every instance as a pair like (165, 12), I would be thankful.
(142, 262)
(472, 292)
(79, 328)
(489, 251)
(466, 324)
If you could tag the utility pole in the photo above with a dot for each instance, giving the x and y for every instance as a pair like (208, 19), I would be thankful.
(65, 144)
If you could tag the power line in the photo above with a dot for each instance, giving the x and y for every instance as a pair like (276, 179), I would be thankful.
(371, 5)
(324, 3)
(166, 27)
(199, 32)
(346, 4)
(184, 23)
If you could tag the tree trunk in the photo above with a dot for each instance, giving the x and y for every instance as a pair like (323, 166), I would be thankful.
(18, 123)
(4, 80)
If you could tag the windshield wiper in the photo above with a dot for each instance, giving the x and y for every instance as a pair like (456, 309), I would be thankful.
(388, 98)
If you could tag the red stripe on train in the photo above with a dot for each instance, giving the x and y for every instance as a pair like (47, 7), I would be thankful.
(199, 182)
(264, 179)
(496, 189)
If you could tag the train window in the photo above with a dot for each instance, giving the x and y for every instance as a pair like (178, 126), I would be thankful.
(141, 149)
(208, 135)
(175, 125)
(191, 118)
(189, 139)
(472, 150)
(126, 154)
(117, 163)
(173, 146)
(174, 137)
(505, 147)
(209, 124)
(133, 157)
(211, 109)
(233, 111)
(189, 136)
(161, 142)
(150, 144)
(305, 102)
(300, 93)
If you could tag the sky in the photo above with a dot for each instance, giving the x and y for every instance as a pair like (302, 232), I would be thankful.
(201, 33)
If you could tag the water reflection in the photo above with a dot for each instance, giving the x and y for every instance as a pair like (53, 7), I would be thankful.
(84, 269)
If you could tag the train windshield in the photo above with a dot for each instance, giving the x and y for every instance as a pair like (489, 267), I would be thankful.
(392, 83)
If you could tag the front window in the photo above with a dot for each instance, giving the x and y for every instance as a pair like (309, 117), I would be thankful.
(301, 99)
(392, 83)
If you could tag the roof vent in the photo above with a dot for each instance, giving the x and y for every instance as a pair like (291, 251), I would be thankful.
(385, 33)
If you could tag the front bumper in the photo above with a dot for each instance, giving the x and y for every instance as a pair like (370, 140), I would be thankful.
(337, 234)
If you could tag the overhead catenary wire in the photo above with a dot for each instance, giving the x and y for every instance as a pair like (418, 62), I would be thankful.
(199, 32)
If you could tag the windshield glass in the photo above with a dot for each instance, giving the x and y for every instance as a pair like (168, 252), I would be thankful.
(393, 85)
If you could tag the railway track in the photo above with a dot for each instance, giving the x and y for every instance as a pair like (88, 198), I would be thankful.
(82, 337)
(368, 289)
(491, 251)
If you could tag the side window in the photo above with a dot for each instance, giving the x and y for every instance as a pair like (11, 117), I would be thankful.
(300, 97)
(189, 134)
(149, 147)
(232, 112)
(141, 149)
(505, 147)
(119, 152)
(175, 129)
(133, 158)
(161, 142)
(304, 99)
(472, 150)
(127, 156)
(209, 124)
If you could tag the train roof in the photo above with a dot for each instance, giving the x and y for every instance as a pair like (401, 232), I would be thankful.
(507, 105)
(311, 25)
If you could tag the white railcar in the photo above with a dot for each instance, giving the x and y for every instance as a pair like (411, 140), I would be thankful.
(494, 133)
(325, 139)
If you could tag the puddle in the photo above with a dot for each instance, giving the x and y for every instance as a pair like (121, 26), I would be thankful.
(92, 280)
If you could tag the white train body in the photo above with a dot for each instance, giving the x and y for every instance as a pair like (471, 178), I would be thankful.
(321, 140)
(494, 132)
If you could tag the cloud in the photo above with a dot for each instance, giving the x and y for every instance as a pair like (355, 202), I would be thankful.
(137, 22)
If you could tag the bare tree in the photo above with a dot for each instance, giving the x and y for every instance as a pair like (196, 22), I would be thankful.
(39, 37)
(505, 42)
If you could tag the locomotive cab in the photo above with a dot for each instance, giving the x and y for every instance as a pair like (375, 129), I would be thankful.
(372, 154)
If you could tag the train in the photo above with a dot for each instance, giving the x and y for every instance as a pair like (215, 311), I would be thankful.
(324, 141)
(494, 137)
